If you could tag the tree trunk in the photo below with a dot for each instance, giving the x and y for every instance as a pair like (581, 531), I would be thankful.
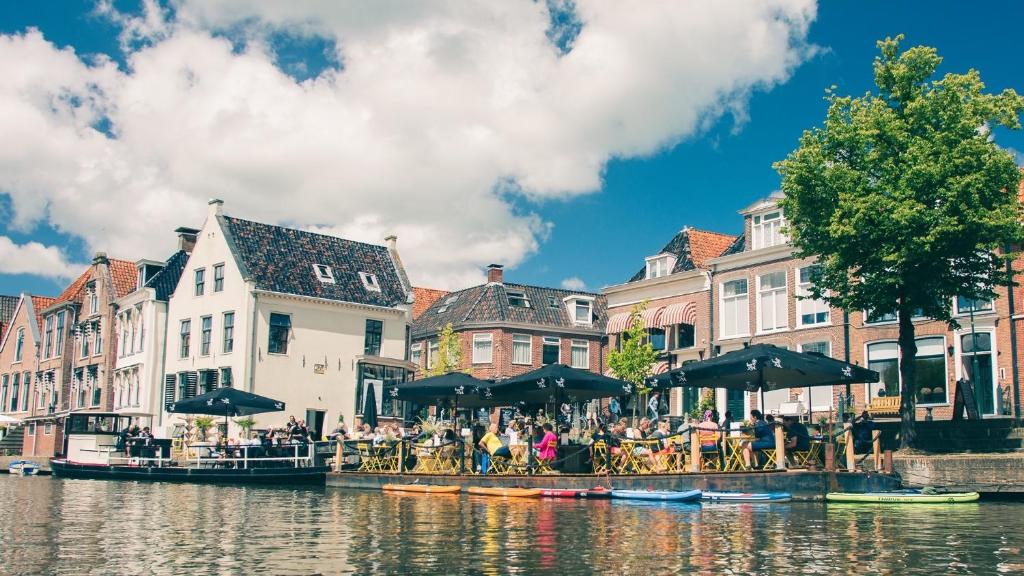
(908, 376)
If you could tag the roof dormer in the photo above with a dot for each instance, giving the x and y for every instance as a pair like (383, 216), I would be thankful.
(660, 265)
(766, 222)
(580, 308)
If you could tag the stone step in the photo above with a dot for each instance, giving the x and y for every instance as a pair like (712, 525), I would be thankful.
(12, 442)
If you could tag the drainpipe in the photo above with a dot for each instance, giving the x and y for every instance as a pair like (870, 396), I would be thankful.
(1015, 370)
(253, 344)
(846, 349)
(711, 313)
(163, 360)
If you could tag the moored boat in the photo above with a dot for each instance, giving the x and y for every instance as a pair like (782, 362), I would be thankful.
(747, 496)
(505, 492)
(597, 492)
(23, 468)
(902, 497)
(422, 488)
(662, 495)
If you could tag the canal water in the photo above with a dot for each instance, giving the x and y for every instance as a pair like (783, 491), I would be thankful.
(52, 526)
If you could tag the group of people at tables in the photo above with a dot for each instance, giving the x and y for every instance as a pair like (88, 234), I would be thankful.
(258, 444)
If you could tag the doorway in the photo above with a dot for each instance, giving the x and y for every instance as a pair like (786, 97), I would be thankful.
(315, 423)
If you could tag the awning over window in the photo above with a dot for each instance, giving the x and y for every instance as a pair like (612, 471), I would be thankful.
(618, 323)
(683, 313)
(652, 317)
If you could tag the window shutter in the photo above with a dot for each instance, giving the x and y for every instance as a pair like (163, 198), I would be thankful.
(214, 374)
(169, 381)
(191, 379)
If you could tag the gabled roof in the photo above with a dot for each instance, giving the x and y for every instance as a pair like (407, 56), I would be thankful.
(125, 277)
(73, 293)
(166, 280)
(424, 299)
(488, 303)
(7, 306)
(33, 305)
(281, 260)
(692, 247)
(40, 303)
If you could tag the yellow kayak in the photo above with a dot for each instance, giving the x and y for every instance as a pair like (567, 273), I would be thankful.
(506, 492)
(421, 488)
(908, 497)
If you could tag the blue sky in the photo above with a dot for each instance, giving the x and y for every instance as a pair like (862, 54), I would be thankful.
(602, 237)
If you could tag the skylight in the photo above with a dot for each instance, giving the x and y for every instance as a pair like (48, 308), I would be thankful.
(369, 281)
(324, 273)
(518, 299)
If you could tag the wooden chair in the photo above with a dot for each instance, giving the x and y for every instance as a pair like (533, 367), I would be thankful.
(426, 463)
(884, 406)
(810, 456)
(447, 459)
(368, 460)
(599, 457)
(387, 457)
(710, 455)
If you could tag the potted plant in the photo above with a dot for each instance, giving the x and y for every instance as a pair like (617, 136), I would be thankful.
(202, 424)
(245, 424)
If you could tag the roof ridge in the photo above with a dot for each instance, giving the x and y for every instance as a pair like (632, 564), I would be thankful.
(479, 297)
(692, 229)
(304, 231)
(553, 288)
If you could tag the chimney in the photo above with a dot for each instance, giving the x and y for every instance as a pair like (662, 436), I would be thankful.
(392, 242)
(216, 206)
(186, 239)
(100, 258)
(495, 275)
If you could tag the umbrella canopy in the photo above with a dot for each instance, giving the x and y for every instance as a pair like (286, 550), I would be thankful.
(458, 386)
(5, 419)
(558, 381)
(370, 407)
(226, 402)
(765, 367)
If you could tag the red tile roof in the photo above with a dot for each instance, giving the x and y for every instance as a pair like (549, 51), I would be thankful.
(424, 298)
(73, 292)
(705, 245)
(40, 303)
(124, 275)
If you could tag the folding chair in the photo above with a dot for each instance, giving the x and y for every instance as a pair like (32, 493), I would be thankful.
(599, 457)
(710, 456)
(368, 460)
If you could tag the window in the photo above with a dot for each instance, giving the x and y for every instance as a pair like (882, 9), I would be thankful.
(522, 349)
(809, 312)
(686, 336)
(48, 338)
(58, 350)
(656, 336)
(324, 273)
(97, 334)
(735, 312)
(580, 356)
(370, 281)
(123, 320)
(882, 358)
(97, 390)
(226, 381)
(371, 342)
(432, 354)
(182, 385)
(280, 329)
(660, 265)
(205, 335)
(976, 360)
(773, 310)
(552, 351)
(552, 302)
(3, 391)
(207, 381)
(200, 281)
(84, 334)
(218, 278)
(931, 370)
(767, 230)
(583, 312)
(186, 337)
(15, 385)
(483, 348)
(228, 343)
(94, 299)
(824, 348)
(873, 317)
(968, 305)
(517, 299)
(416, 355)
(47, 428)
(19, 345)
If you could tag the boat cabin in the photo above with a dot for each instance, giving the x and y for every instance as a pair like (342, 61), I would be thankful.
(92, 437)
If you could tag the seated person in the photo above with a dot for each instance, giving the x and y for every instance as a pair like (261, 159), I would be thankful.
(797, 437)
(547, 448)
(763, 438)
(491, 444)
(863, 433)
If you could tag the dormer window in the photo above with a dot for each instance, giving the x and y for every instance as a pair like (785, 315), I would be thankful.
(518, 299)
(581, 309)
(766, 230)
(447, 302)
(369, 281)
(324, 273)
(660, 265)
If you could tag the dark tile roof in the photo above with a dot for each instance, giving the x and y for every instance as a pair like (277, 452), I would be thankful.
(692, 247)
(281, 260)
(166, 280)
(738, 246)
(7, 306)
(488, 303)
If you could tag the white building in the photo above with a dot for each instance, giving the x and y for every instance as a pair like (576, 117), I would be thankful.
(141, 331)
(308, 319)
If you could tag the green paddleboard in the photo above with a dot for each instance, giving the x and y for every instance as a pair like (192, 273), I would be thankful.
(902, 497)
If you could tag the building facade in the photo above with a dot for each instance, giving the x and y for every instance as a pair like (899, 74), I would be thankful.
(308, 319)
(19, 357)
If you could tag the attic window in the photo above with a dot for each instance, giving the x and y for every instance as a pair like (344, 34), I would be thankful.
(369, 281)
(552, 302)
(660, 265)
(451, 300)
(518, 299)
(324, 273)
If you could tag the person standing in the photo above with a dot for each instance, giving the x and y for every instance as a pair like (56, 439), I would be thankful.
(615, 409)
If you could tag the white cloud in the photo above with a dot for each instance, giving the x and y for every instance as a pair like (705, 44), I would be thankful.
(35, 258)
(440, 113)
(574, 283)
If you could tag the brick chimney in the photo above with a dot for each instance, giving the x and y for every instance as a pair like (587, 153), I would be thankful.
(495, 274)
(186, 238)
(100, 258)
(216, 206)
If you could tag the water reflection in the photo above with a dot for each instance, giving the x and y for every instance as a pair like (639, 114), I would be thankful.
(74, 527)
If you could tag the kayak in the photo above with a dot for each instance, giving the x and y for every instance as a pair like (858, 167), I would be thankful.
(664, 495)
(575, 493)
(902, 497)
(505, 492)
(747, 496)
(421, 488)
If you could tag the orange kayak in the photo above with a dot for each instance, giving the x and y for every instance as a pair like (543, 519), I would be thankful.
(506, 492)
(421, 488)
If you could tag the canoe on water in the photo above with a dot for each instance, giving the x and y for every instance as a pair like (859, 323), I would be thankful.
(747, 496)
(421, 488)
(576, 493)
(902, 497)
(664, 495)
(505, 492)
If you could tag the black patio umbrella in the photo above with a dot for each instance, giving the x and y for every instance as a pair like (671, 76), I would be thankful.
(558, 381)
(226, 402)
(464, 389)
(370, 407)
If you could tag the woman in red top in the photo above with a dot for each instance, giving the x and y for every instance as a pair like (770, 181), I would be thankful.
(547, 448)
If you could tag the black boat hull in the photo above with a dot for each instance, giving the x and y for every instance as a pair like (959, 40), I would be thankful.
(315, 475)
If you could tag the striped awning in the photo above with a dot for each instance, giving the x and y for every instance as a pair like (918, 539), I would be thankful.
(682, 313)
(652, 317)
(618, 323)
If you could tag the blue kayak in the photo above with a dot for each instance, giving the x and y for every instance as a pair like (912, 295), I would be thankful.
(747, 496)
(663, 495)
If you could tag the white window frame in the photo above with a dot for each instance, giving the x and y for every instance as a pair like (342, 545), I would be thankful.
(547, 341)
(433, 351)
(958, 312)
(773, 295)
(519, 295)
(802, 289)
(370, 281)
(324, 273)
(529, 349)
(199, 282)
(19, 345)
(478, 353)
(868, 388)
(575, 345)
(828, 342)
(743, 312)
(961, 357)
(659, 265)
(218, 282)
(416, 353)
(759, 225)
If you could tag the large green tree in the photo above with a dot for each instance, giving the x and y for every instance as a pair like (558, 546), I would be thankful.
(904, 197)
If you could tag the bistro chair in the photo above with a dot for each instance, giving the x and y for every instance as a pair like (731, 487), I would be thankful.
(499, 465)
(368, 460)
(599, 457)
(806, 457)
(710, 455)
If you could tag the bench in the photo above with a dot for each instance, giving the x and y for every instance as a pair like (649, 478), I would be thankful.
(884, 406)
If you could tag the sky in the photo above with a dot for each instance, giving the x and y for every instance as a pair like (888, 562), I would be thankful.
(566, 140)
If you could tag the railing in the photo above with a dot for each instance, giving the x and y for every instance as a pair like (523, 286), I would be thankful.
(244, 461)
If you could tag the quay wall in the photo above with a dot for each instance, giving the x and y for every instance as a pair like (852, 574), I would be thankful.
(986, 473)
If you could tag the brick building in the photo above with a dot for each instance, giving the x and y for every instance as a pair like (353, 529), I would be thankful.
(509, 329)
(19, 356)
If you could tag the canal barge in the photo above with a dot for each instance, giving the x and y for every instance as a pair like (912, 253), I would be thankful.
(92, 450)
